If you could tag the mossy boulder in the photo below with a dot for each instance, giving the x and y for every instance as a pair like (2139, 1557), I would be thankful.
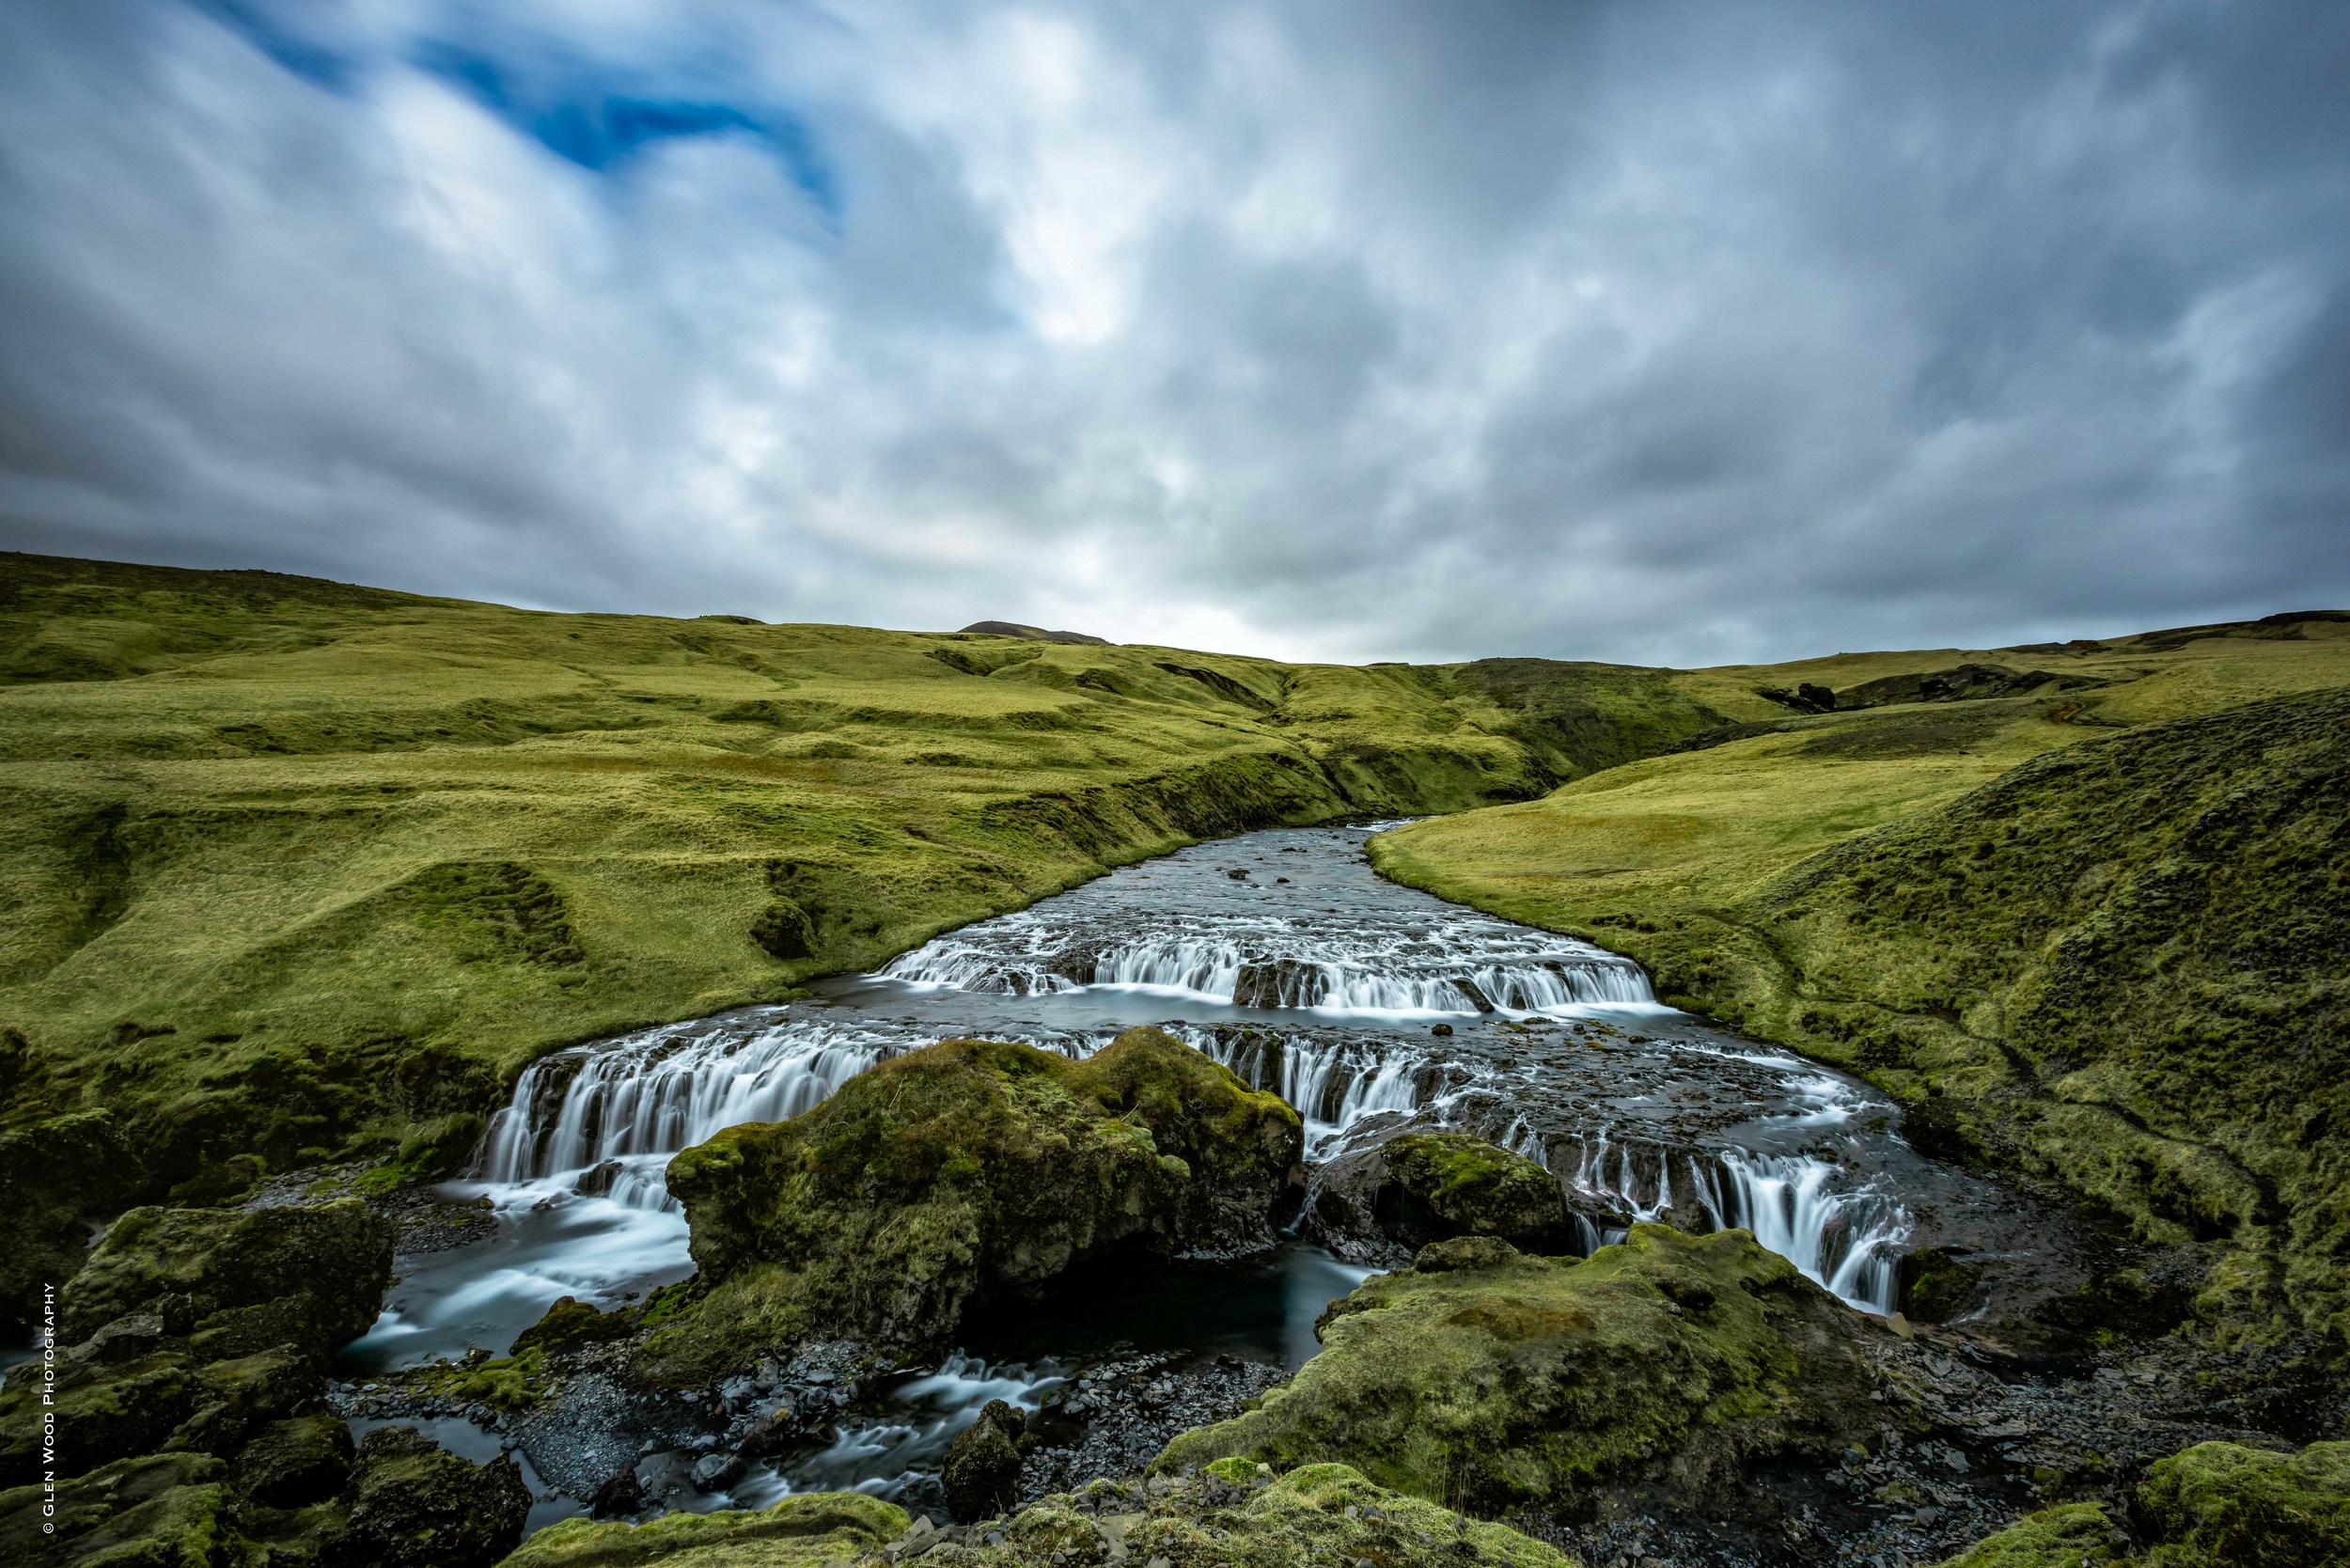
(982, 1475)
(571, 1324)
(104, 1412)
(201, 1262)
(2216, 1505)
(1422, 1187)
(813, 1528)
(1498, 1382)
(160, 1511)
(966, 1172)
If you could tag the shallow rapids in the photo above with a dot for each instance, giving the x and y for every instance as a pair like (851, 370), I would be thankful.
(1282, 955)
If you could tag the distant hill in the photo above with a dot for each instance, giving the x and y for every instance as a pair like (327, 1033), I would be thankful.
(1033, 633)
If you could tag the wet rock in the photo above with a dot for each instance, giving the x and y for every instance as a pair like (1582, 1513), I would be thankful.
(962, 1171)
(100, 1413)
(808, 1530)
(596, 1182)
(294, 1462)
(1283, 983)
(340, 1253)
(414, 1505)
(622, 1493)
(715, 1472)
(981, 1474)
(1503, 1382)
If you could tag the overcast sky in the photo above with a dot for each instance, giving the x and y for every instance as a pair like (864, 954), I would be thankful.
(1657, 331)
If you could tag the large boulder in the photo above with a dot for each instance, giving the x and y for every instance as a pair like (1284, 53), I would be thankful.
(1502, 1383)
(1419, 1187)
(962, 1173)
(813, 1528)
(204, 1262)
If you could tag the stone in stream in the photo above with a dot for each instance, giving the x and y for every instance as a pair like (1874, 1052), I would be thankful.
(960, 1173)
(1418, 1187)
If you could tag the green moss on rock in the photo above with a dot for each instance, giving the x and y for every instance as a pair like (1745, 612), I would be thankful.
(1457, 1183)
(1493, 1381)
(798, 1532)
(216, 1259)
(962, 1172)
(161, 1511)
(2220, 1504)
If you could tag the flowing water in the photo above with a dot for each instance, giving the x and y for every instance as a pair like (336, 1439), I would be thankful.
(1281, 955)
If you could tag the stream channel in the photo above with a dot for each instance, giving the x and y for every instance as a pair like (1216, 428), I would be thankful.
(1367, 1005)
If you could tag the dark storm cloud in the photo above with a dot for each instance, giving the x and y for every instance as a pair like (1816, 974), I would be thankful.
(1663, 330)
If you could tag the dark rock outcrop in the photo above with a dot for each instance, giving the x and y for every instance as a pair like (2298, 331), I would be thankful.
(412, 1504)
(1033, 633)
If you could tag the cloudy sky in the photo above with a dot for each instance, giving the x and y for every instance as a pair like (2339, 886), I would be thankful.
(1674, 333)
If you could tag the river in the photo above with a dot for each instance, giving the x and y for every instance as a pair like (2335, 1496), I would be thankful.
(1365, 1004)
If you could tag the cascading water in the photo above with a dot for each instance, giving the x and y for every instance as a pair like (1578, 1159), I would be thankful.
(643, 1097)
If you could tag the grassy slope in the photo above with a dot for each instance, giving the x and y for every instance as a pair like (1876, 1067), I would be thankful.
(284, 859)
(2113, 961)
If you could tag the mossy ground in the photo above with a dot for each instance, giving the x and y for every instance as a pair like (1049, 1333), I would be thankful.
(2111, 956)
(961, 1172)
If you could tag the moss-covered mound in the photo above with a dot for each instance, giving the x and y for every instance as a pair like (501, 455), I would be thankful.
(1495, 1382)
(962, 1172)
(2216, 1505)
(2125, 964)
(815, 1528)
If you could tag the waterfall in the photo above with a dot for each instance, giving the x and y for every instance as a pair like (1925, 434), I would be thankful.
(642, 1099)
(1841, 1238)
(1330, 1086)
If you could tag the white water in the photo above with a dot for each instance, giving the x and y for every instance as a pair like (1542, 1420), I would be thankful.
(651, 1095)
(1353, 966)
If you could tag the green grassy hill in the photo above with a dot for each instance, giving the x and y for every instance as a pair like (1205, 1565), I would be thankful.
(2119, 957)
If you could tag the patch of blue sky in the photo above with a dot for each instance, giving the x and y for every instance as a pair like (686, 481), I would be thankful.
(600, 126)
